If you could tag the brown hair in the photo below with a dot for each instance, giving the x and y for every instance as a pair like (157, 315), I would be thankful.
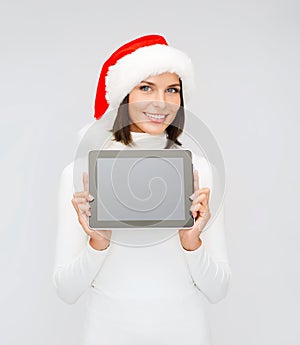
(122, 122)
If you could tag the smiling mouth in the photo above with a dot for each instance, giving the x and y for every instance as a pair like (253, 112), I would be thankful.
(159, 118)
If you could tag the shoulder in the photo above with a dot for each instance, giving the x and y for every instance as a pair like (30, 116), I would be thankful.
(201, 164)
(68, 169)
(66, 178)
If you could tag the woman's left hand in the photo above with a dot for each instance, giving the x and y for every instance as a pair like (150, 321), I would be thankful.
(190, 238)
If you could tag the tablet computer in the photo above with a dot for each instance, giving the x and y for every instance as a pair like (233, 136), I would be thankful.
(140, 189)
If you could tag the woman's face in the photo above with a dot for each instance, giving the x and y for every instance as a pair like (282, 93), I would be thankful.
(153, 104)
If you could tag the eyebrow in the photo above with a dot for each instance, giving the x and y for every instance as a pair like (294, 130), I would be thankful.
(150, 83)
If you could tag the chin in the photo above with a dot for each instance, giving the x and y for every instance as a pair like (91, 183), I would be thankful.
(154, 130)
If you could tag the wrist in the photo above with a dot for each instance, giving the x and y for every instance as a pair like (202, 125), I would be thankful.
(192, 245)
(99, 244)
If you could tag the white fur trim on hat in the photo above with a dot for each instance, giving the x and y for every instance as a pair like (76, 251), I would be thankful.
(147, 61)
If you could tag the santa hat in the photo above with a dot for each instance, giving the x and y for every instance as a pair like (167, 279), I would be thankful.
(133, 62)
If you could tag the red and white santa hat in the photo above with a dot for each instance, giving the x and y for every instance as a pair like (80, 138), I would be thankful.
(133, 62)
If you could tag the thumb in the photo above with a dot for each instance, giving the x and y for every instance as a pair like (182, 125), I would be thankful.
(196, 180)
(85, 181)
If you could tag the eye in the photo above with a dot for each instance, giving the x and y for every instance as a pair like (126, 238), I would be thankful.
(145, 88)
(173, 90)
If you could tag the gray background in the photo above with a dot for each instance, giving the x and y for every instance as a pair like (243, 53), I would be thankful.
(246, 55)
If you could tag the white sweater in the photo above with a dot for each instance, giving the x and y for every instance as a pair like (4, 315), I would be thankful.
(140, 294)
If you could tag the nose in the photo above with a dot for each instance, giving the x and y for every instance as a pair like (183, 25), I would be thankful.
(159, 99)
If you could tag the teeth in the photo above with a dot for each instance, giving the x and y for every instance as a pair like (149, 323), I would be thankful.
(155, 116)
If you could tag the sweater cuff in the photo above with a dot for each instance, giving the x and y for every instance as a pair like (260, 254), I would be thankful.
(194, 253)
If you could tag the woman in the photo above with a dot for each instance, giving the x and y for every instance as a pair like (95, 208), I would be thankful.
(145, 294)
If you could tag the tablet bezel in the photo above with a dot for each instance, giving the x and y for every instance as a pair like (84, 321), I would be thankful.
(187, 223)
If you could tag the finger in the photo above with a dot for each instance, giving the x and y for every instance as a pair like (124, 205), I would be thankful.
(202, 198)
(83, 220)
(85, 181)
(81, 208)
(192, 197)
(195, 196)
(205, 190)
(196, 180)
(200, 208)
(196, 185)
(201, 191)
(193, 210)
(208, 196)
(83, 200)
(195, 199)
(201, 222)
(81, 195)
(74, 203)
(84, 207)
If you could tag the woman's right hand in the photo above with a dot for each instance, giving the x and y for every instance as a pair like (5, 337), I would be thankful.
(99, 239)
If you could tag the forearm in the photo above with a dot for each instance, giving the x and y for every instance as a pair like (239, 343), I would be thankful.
(73, 279)
(211, 277)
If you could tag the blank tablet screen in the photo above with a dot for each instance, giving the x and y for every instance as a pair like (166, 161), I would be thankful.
(140, 188)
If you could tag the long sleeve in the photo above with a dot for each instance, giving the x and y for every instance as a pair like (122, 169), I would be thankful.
(76, 262)
(208, 265)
